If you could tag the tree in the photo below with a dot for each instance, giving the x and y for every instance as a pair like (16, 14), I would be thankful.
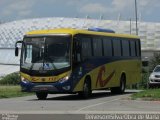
(154, 61)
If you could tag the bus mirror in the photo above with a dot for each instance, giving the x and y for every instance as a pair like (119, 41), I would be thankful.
(16, 51)
(16, 48)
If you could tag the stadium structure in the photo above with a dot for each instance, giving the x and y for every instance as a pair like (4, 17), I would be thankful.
(13, 31)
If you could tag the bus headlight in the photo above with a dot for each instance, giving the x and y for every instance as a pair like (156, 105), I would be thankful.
(64, 79)
(24, 80)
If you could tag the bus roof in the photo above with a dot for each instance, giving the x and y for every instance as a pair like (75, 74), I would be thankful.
(78, 31)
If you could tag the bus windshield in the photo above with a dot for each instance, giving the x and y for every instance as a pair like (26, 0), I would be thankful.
(46, 53)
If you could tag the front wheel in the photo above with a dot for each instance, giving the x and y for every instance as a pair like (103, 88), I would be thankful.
(86, 93)
(41, 95)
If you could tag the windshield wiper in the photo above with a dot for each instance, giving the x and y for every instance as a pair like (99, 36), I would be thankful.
(50, 60)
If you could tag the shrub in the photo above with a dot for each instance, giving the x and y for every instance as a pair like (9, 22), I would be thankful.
(154, 61)
(11, 79)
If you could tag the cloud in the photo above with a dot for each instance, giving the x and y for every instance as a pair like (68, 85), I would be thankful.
(143, 3)
(19, 7)
(93, 8)
(76, 2)
(113, 7)
(148, 3)
(148, 7)
(122, 5)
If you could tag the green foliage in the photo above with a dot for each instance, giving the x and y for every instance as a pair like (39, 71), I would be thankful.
(154, 61)
(150, 94)
(144, 82)
(11, 79)
(12, 91)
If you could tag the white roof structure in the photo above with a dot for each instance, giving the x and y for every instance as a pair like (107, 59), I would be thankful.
(7, 69)
(14, 31)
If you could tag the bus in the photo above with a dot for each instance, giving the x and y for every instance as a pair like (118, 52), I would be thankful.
(79, 61)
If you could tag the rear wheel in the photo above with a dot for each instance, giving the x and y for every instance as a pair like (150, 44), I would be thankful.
(121, 88)
(86, 93)
(41, 95)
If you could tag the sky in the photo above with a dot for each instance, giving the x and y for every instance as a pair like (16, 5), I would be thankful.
(148, 10)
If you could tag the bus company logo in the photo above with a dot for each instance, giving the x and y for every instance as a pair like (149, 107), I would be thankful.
(43, 79)
(100, 74)
(34, 79)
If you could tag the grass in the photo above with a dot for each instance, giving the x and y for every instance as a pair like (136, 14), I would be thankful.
(150, 94)
(11, 91)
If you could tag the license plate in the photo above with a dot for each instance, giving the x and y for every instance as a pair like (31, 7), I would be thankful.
(43, 88)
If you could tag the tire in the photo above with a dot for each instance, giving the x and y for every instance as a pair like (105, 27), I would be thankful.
(121, 88)
(86, 93)
(41, 95)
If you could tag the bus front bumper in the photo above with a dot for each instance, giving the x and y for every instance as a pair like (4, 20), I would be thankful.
(56, 87)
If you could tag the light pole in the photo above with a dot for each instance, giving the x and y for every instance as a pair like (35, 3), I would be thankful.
(136, 17)
(130, 26)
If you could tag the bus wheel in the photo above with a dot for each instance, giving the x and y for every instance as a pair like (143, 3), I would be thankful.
(86, 93)
(41, 95)
(121, 88)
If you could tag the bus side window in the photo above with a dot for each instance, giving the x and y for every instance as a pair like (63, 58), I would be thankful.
(117, 47)
(86, 48)
(78, 51)
(107, 46)
(133, 48)
(138, 48)
(125, 48)
(77, 57)
(97, 46)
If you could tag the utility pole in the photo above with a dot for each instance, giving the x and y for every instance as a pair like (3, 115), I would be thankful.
(130, 26)
(136, 17)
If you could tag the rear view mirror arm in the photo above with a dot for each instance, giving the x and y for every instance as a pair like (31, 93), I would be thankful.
(16, 47)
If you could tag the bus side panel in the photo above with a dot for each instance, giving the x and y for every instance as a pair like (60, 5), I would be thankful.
(108, 75)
